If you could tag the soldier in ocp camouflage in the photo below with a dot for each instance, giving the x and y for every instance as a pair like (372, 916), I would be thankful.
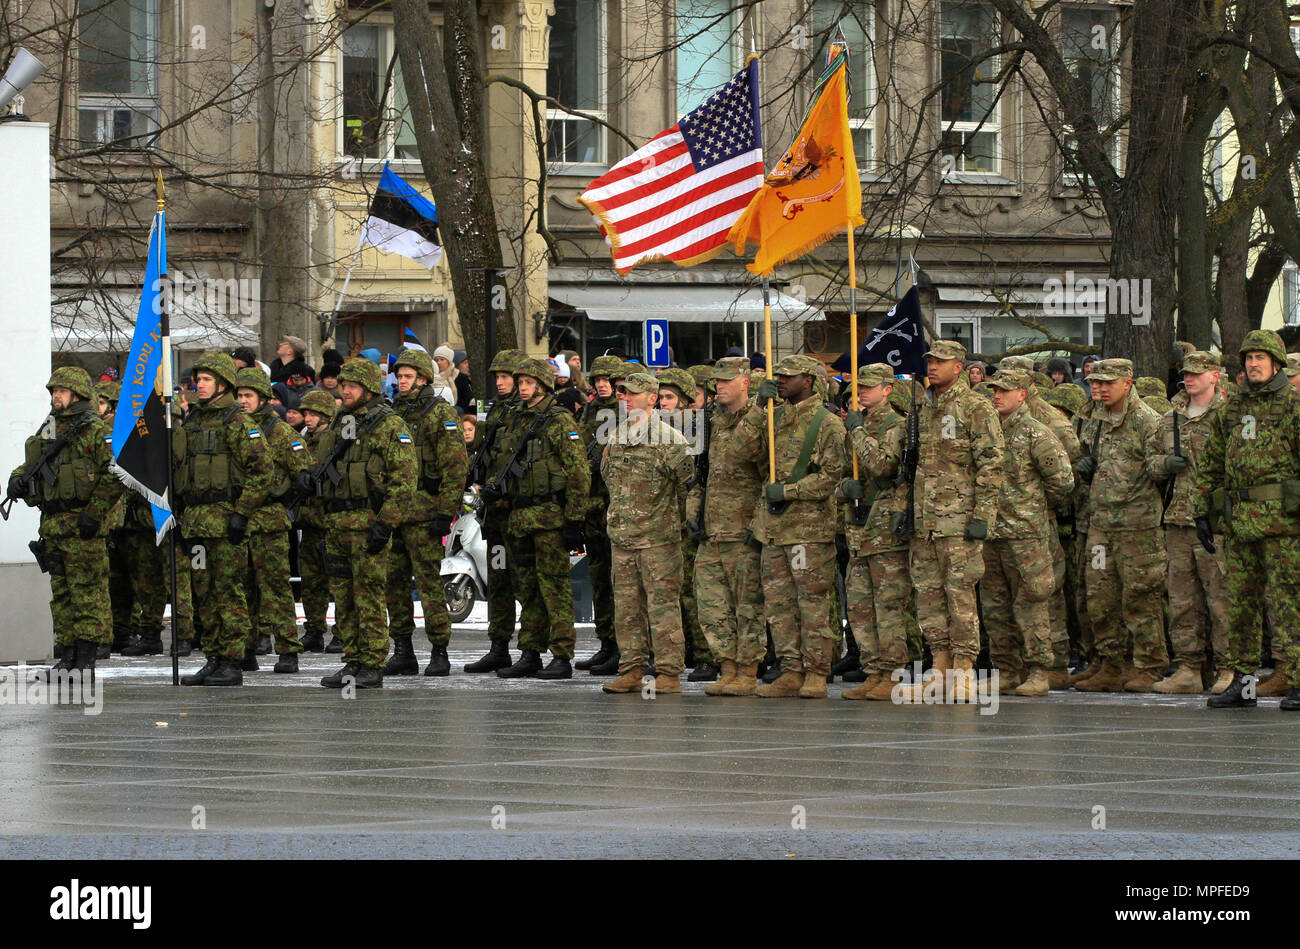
(646, 468)
(441, 465)
(1253, 457)
(798, 556)
(318, 409)
(1018, 572)
(74, 514)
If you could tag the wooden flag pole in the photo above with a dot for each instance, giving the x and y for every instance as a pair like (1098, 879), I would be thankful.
(853, 337)
(771, 406)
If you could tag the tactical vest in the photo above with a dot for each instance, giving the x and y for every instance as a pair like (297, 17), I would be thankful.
(361, 466)
(210, 474)
(74, 472)
(268, 421)
(414, 412)
(544, 478)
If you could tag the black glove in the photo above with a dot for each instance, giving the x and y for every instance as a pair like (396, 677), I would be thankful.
(441, 525)
(1175, 464)
(1085, 468)
(236, 528)
(694, 531)
(898, 523)
(767, 392)
(977, 529)
(775, 493)
(17, 487)
(851, 488)
(1204, 534)
(378, 538)
(305, 484)
(87, 526)
(575, 537)
(852, 420)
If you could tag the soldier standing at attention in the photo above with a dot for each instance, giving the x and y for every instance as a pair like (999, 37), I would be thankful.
(958, 477)
(1250, 479)
(795, 523)
(441, 463)
(318, 409)
(547, 488)
(376, 477)
(646, 469)
(223, 478)
(1126, 554)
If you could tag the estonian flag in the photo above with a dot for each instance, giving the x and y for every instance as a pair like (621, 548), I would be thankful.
(411, 341)
(403, 221)
(899, 340)
(140, 429)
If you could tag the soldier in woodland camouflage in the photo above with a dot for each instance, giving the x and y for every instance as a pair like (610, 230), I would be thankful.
(1249, 480)
(318, 409)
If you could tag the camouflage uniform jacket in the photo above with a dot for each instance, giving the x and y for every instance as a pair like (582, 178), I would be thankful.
(1081, 486)
(1193, 433)
(311, 511)
(735, 484)
(288, 452)
(377, 471)
(440, 456)
(1122, 496)
(213, 430)
(1235, 460)
(646, 469)
(879, 447)
(1037, 478)
(1057, 423)
(810, 517)
(553, 488)
(82, 479)
(959, 471)
(493, 442)
(597, 421)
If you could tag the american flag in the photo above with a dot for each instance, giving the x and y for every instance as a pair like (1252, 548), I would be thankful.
(676, 197)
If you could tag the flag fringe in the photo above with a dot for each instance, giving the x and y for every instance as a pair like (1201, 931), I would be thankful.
(158, 500)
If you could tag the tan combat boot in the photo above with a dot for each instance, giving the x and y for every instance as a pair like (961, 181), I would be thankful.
(719, 687)
(965, 684)
(1222, 682)
(745, 681)
(941, 662)
(1009, 680)
(1093, 668)
(1274, 684)
(1186, 681)
(1110, 678)
(1037, 685)
(862, 690)
(814, 686)
(883, 690)
(666, 684)
(1141, 681)
(629, 681)
(787, 686)
(1058, 679)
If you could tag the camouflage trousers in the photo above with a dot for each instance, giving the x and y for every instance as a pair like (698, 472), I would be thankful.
(270, 597)
(1126, 580)
(217, 583)
(417, 552)
(691, 628)
(79, 600)
(648, 607)
(151, 582)
(1080, 568)
(119, 586)
(1060, 628)
(729, 597)
(944, 572)
(1071, 594)
(1198, 598)
(1015, 591)
(1266, 570)
(501, 591)
(878, 589)
(797, 581)
(540, 563)
(602, 587)
(315, 585)
(357, 586)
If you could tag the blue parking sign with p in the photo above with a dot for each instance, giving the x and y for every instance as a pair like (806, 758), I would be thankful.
(656, 344)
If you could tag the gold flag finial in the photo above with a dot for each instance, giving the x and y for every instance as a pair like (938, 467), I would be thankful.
(160, 191)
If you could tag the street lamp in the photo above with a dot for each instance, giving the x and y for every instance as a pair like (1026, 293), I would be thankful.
(23, 70)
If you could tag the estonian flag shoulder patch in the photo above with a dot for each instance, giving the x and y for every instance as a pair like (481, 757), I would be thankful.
(404, 439)
(108, 439)
(296, 446)
(449, 425)
(254, 433)
(573, 436)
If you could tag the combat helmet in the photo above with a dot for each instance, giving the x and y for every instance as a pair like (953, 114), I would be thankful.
(320, 402)
(219, 365)
(77, 380)
(538, 369)
(506, 360)
(418, 360)
(364, 373)
(609, 367)
(110, 392)
(252, 377)
(1265, 341)
(680, 380)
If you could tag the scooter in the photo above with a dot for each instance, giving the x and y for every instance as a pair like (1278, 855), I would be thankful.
(464, 562)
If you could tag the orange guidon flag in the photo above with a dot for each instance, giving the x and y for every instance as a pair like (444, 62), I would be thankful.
(813, 193)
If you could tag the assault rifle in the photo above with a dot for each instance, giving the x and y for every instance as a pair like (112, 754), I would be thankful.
(907, 466)
(1168, 494)
(495, 489)
(327, 467)
(41, 466)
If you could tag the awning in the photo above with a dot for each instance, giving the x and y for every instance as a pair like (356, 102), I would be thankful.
(699, 303)
(105, 322)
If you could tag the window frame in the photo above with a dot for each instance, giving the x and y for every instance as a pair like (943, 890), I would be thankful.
(147, 104)
(560, 166)
(734, 47)
(867, 166)
(1078, 179)
(991, 124)
(390, 118)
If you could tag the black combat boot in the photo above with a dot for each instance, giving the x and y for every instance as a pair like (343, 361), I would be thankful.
(313, 640)
(403, 661)
(439, 664)
(498, 657)
(703, 672)
(121, 639)
(148, 643)
(1291, 701)
(103, 650)
(609, 665)
(264, 645)
(335, 681)
(773, 673)
(288, 662)
(369, 677)
(557, 668)
(530, 661)
(184, 647)
(854, 675)
(336, 644)
(599, 656)
(849, 661)
(688, 659)
(228, 672)
(1233, 696)
(198, 678)
(249, 662)
(84, 656)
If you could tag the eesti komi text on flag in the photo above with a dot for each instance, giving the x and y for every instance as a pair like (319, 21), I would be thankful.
(677, 197)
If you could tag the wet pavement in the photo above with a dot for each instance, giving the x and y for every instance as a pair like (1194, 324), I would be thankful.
(481, 766)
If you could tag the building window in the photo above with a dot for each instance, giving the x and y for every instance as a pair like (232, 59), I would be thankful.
(706, 51)
(1290, 295)
(857, 20)
(376, 121)
(575, 76)
(117, 72)
(970, 138)
(1090, 45)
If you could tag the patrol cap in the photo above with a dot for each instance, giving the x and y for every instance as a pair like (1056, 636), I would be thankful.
(1264, 341)
(73, 378)
(1108, 370)
(876, 374)
(218, 365)
(1016, 364)
(1010, 379)
(947, 349)
(320, 402)
(610, 367)
(1292, 365)
(506, 360)
(538, 369)
(731, 367)
(796, 366)
(679, 380)
(1200, 361)
(641, 382)
(364, 373)
(418, 360)
(252, 377)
